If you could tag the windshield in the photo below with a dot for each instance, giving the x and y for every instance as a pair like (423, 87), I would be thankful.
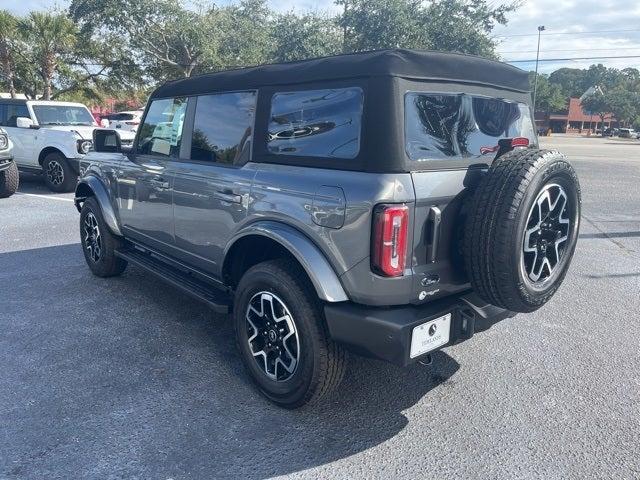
(440, 126)
(62, 115)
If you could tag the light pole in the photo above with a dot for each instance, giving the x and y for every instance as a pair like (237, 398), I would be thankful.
(535, 82)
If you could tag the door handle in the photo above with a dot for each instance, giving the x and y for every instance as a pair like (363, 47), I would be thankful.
(435, 216)
(227, 196)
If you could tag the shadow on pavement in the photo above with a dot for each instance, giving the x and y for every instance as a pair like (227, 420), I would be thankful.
(125, 377)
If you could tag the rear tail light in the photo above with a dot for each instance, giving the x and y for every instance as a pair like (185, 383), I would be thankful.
(519, 142)
(390, 229)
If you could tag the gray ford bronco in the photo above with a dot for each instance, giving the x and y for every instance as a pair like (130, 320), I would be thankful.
(389, 203)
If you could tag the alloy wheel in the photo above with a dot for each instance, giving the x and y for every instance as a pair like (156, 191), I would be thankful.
(547, 231)
(55, 173)
(92, 240)
(272, 336)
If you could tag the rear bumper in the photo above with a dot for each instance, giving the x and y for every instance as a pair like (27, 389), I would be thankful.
(385, 333)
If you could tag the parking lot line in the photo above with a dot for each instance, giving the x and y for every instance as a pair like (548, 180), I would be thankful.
(48, 197)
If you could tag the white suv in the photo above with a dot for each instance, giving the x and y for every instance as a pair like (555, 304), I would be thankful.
(125, 120)
(51, 137)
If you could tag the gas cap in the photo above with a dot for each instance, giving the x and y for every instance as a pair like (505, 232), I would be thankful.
(328, 207)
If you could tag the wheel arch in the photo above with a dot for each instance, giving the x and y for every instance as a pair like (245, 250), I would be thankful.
(267, 240)
(91, 186)
(47, 150)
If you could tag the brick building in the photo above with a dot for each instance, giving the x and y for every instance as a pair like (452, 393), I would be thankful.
(574, 120)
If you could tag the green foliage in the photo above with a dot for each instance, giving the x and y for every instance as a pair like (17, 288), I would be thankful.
(121, 48)
(449, 25)
(549, 96)
(296, 37)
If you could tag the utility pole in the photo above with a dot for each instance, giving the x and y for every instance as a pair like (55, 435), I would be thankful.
(535, 82)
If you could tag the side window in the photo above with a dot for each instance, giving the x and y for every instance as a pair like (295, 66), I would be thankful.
(316, 123)
(222, 128)
(10, 112)
(161, 131)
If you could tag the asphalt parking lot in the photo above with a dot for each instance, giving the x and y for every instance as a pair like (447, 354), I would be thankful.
(127, 378)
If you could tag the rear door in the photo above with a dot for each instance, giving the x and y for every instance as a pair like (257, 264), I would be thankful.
(212, 185)
(145, 182)
(449, 140)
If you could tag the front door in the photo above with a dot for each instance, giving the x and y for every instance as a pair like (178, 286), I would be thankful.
(211, 189)
(24, 139)
(145, 182)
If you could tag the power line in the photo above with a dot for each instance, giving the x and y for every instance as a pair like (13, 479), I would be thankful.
(565, 33)
(572, 50)
(572, 58)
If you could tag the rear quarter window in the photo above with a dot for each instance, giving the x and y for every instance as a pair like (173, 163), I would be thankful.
(457, 126)
(316, 123)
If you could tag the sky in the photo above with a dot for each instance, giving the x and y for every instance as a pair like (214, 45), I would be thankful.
(573, 29)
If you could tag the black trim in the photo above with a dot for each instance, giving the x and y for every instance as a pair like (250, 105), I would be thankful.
(184, 280)
(385, 333)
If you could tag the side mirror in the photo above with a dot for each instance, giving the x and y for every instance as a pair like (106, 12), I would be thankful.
(24, 122)
(104, 123)
(107, 141)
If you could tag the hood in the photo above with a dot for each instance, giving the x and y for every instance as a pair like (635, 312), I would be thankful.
(87, 132)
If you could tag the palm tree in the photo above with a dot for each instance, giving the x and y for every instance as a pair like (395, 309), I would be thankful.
(51, 35)
(8, 33)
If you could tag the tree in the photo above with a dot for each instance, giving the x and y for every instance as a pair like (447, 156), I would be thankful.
(450, 25)
(296, 37)
(597, 103)
(170, 39)
(549, 96)
(623, 104)
(48, 37)
(246, 40)
(8, 35)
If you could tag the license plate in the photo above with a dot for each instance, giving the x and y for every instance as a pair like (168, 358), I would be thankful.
(430, 335)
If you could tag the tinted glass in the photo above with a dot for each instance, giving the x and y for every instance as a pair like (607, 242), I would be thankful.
(62, 115)
(443, 126)
(222, 127)
(10, 112)
(316, 123)
(120, 116)
(161, 131)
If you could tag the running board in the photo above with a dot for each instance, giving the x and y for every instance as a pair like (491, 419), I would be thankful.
(219, 301)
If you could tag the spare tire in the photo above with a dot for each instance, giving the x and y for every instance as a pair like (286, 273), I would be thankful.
(522, 228)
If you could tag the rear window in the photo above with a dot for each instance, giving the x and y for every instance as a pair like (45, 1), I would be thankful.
(316, 123)
(449, 126)
(121, 116)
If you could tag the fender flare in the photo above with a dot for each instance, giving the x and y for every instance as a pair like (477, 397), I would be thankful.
(62, 148)
(318, 269)
(102, 196)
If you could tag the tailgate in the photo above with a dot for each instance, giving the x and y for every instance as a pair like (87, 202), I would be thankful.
(437, 261)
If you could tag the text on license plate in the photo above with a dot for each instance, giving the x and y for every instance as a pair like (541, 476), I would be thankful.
(430, 335)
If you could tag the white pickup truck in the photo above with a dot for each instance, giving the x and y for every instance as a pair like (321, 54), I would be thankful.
(51, 138)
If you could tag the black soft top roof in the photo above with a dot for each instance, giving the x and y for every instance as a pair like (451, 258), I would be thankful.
(413, 64)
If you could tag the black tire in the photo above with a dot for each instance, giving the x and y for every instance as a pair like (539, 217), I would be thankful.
(320, 362)
(58, 175)
(508, 233)
(104, 263)
(9, 181)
